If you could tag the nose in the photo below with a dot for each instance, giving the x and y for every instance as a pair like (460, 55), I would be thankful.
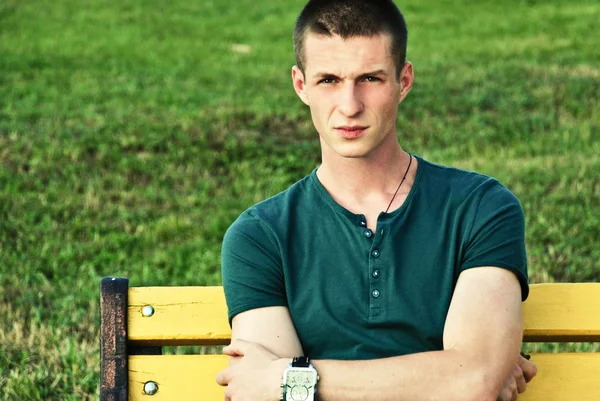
(349, 102)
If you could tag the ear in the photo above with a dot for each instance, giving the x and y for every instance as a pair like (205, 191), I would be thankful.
(299, 84)
(407, 77)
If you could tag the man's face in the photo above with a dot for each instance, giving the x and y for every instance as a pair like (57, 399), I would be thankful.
(353, 92)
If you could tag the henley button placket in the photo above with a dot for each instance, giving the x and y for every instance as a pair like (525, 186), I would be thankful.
(375, 298)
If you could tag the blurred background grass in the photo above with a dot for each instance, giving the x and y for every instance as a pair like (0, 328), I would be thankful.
(133, 133)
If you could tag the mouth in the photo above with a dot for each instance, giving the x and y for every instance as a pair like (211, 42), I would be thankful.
(350, 132)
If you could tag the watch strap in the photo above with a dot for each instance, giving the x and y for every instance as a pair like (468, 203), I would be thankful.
(301, 362)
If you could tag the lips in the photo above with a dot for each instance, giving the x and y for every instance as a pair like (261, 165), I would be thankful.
(351, 132)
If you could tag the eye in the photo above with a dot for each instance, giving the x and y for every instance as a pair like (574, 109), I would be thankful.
(326, 81)
(371, 79)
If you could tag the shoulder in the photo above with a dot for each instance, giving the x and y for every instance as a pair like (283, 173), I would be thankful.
(459, 186)
(273, 212)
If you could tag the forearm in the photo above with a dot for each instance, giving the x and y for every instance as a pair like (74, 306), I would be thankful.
(438, 375)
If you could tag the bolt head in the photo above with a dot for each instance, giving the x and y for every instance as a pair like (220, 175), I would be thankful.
(150, 388)
(147, 311)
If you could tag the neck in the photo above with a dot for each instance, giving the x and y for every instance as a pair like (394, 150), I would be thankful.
(370, 179)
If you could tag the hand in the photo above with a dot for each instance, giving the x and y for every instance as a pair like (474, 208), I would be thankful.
(255, 375)
(516, 383)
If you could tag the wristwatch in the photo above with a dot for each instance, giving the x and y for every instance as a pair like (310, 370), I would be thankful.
(299, 381)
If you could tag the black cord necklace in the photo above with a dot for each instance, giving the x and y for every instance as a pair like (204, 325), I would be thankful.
(403, 178)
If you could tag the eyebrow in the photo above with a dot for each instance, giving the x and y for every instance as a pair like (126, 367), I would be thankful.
(322, 75)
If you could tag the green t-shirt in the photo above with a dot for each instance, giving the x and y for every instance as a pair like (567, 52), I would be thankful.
(357, 294)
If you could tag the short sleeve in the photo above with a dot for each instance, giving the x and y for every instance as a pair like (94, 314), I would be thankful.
(497, 234)
(251, 266)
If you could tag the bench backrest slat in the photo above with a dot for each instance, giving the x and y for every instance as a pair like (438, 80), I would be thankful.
(182, 316)
(198, 315)
(562, 312)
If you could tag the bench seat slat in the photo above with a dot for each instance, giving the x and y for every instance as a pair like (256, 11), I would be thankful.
(561, 377)
(179, 377)
(564, 377)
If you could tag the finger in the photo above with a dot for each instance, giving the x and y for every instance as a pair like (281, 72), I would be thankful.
(504, 394)
(513, 393)
(509, 389)
(529, 369)
(519, 380)
(223, 377)
(232, 352)
(236, 348)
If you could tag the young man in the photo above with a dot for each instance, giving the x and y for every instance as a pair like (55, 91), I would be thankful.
(399, 278)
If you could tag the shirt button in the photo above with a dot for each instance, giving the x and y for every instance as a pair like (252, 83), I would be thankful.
(375, 253)
(375, 293)
(376, 273)
(363, 223)
(368, 233)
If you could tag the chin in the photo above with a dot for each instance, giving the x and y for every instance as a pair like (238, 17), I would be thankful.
(352, 152)
(350, 149)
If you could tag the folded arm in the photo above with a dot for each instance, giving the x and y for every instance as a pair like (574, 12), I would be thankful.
(482, 339)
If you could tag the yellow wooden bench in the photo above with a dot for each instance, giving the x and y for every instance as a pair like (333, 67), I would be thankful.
(138, 321)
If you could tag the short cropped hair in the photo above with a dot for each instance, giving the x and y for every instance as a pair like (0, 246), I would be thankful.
(352, 18)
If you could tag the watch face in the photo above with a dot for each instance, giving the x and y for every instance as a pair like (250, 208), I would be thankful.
(300, 384)
(299, 393)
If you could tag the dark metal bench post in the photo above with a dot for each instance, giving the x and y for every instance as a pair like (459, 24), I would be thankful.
(113, 339)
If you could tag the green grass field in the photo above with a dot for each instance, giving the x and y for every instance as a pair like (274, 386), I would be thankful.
(133, 133)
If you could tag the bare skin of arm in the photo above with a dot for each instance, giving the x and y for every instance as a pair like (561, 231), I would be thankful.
(270, 327)
(482, 339)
